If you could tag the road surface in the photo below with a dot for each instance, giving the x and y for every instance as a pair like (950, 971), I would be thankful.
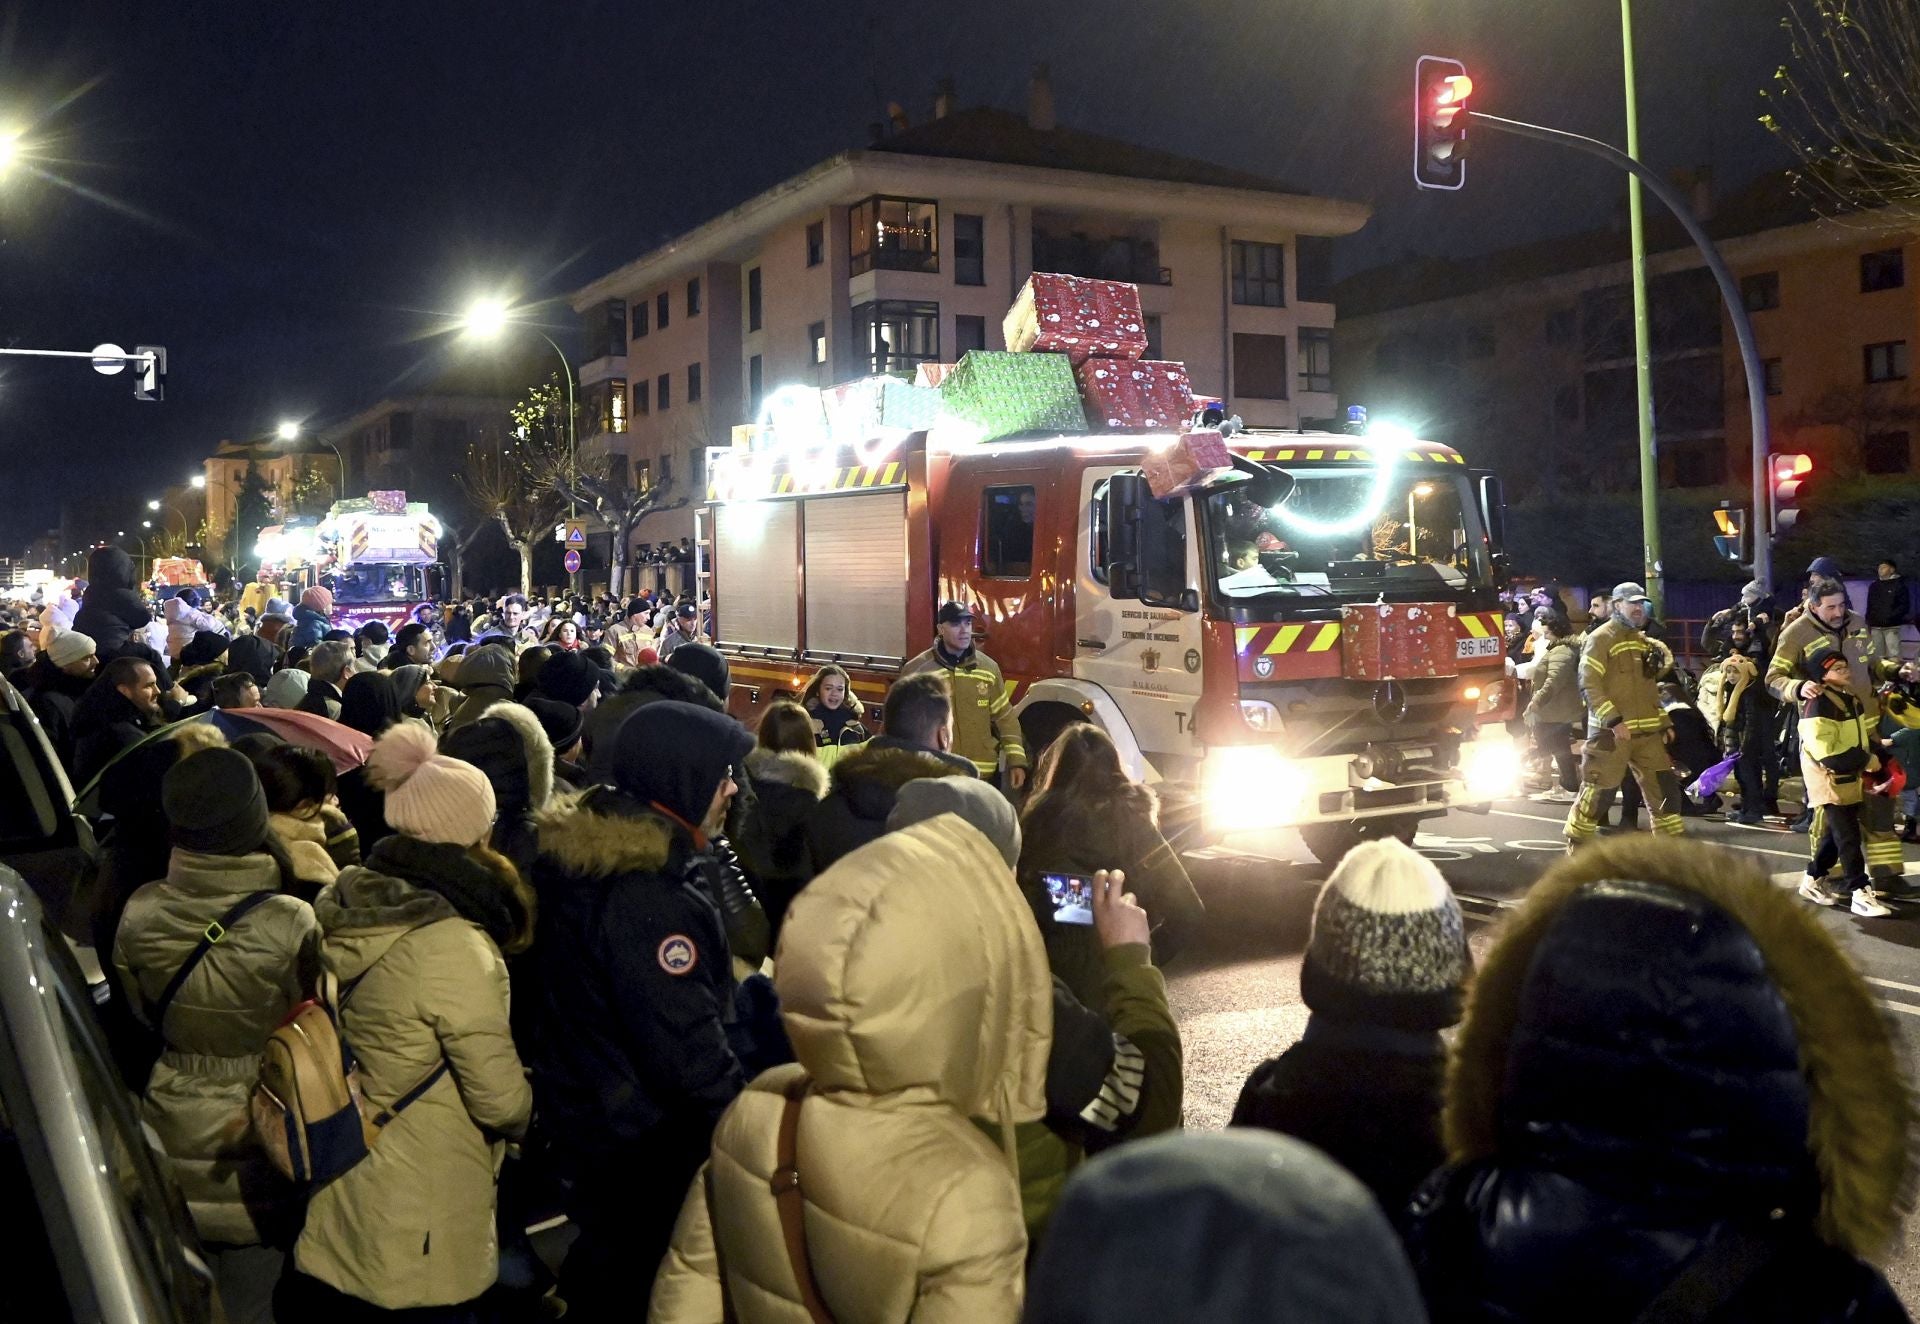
(1237, 995)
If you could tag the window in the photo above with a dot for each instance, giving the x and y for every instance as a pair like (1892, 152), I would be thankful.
(1154, 350)
(753, 300)
(1886, 453)
(1313, 269)
(642, 404)
(1006, 543)
(1316, 359)
(666, 469)
(1259, 274)
(693, 383)
(660, 310)
(816, 243)
(663, 392)
(1774, 376)
(1559, 326)
(643, 474)
(696, 468)
(605, 329)
(894, 234)
(1885, 270)
(756, 386)
(894, 335)
(969, 333)
(1760, 292)
(1260, 366)
(693, 297)
(639, 318)
(1887, 362)
(612, 402)
(816, 342)
(969, 250)
(1566, 404)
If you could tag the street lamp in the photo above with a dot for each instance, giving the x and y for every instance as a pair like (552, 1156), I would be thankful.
(9, 150)
(289, 432)
(486, 319)
(143, 549)
(198, 482)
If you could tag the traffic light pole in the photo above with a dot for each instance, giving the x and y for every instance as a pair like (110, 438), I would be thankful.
(1729, 293)
(1642, 340)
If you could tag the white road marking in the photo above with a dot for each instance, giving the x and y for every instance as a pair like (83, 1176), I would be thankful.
(1901, 1006)
(1757, 850)
(1892, 983)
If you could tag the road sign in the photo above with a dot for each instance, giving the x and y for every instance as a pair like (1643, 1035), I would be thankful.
(109, 359)
(576, 533)
(572, 562)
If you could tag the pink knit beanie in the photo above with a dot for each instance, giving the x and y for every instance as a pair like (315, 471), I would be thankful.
(429, 795)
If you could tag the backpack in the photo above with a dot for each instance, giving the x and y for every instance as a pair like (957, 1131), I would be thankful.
(307, 1108)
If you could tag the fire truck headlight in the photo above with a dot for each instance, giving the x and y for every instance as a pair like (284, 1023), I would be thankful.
(1490, 766)
(1259, 714)
(1250, 787)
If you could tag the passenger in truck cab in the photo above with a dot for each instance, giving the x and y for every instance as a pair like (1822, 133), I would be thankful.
(833, 709)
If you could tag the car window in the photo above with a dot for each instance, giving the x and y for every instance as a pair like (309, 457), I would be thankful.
(29, 818)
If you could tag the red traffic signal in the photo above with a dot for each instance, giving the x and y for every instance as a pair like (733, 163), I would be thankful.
(1440, 89)
(1789, 473)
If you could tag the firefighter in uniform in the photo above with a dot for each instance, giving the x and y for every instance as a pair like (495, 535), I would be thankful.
(985, 731)
(1627, 729)
(1828, 619)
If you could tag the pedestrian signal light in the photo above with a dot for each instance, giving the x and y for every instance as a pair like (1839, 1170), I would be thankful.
(1731, 542)
(1788, 489)
(151, 384)
(1440, 88)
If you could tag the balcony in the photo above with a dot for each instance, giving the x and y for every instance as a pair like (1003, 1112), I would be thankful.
(1106, 257)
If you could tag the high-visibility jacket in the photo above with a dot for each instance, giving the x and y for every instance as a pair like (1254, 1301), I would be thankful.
(1836, 746)
(1618, 667)
(984, 727)
(1786, 673)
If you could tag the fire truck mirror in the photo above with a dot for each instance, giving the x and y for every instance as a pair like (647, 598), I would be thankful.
(1121, 497)
(1493, 514)
(1161, 564)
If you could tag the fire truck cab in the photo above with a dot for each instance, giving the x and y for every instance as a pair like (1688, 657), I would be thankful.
(1311, 640)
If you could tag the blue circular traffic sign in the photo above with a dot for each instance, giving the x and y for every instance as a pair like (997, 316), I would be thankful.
(573, 563)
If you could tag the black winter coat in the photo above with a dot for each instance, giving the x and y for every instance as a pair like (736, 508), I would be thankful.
(787, 788)
(1643, 1061)
(864, 786)
(1888, 604)
(104, 723)
(53, 695)
(112, 608)
(1367, 1095)
(634, 982)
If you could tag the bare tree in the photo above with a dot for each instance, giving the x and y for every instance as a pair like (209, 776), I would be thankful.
(1847, 103)
(456, 541)
(504, 485)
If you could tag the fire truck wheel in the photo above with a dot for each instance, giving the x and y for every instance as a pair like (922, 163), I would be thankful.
(1042, 724)
(1330, 842)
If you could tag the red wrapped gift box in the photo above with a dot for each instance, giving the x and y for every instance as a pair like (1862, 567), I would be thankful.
(1077, 316)
(1186, 463)
(1143, 395)
(1396, 640)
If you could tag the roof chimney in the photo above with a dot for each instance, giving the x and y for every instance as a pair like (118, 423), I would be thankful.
(1040, 100)
(943, 99)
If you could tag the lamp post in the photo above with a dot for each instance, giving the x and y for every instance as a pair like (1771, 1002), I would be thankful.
(1655, 572)
(486, 319)
(289, 432)
(145, 559)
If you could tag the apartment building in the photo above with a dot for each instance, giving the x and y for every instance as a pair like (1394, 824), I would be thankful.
(912, 250)
(1524, 357)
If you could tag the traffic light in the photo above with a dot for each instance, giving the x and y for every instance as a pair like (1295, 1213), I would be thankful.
(151, 384)
(1789, 474)
(1732, 540)
(1440, 89)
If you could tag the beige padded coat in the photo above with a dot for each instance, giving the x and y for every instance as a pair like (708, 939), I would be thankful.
(412, 1224)
(196, 1099)
(914, 985)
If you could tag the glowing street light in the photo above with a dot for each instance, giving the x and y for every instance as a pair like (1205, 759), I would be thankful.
(197, 482)
(485, 319)
(153, 505)
(288, 430)
(9, 150)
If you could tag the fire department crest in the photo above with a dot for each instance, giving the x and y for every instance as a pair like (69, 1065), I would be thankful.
(1150, 659)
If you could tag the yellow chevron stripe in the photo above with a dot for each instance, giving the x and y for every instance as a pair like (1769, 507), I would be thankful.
(892, 469)
(1284, 639)
(1476, 627)
(1244, 635)
(785, 485)
(1316, 455)
(1329, 636)
(1256, 455)
(1282, 455)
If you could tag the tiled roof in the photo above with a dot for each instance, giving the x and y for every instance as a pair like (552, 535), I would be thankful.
(1767, 203)
(1004, 138)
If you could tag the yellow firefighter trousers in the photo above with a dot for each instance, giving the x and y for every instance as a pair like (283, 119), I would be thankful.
(1602, 771)
(1880, 844)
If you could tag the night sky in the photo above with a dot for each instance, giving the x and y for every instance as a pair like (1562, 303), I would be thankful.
(292, 198)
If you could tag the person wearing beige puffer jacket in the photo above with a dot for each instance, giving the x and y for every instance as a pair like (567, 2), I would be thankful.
(911, 1212)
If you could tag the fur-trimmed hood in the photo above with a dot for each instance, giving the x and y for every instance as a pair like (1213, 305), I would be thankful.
(1664, 978)
(888, 766)
(801, 771)
(603, 834)
(539, 748)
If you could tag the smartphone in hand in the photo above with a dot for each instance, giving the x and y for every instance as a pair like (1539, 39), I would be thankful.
(1071, 897)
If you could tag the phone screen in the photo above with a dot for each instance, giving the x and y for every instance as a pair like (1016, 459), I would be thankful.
(1071, 896)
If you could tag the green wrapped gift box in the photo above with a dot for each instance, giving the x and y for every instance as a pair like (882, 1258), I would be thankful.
(1007, 394)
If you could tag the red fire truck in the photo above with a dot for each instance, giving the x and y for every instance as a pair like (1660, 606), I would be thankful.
(1311, 639)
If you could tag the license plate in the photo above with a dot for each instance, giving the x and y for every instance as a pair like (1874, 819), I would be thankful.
(1488, 647)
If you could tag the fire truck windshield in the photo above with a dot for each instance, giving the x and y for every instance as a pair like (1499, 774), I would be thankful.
(1348, 531)
(376, 582)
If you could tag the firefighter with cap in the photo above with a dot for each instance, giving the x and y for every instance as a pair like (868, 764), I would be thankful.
(985, 731)
(1829, 621)
(1627, 729)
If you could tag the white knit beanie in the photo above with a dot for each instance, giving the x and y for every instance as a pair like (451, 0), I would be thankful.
(69, 646)
(1389, 942)
(430, 796)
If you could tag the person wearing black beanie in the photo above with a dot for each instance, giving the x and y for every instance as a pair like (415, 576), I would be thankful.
(221, 882)
(569, 678)
(704, 663)
(638, 1052)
